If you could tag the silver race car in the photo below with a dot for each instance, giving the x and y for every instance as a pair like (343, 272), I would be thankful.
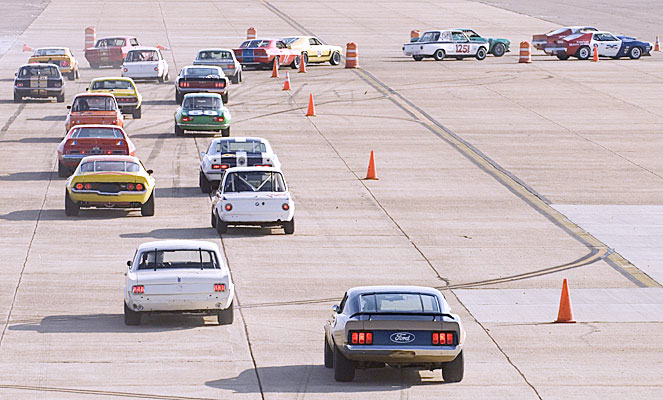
(400, 326)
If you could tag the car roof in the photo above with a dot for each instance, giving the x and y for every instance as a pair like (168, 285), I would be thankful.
(216, 49)
(240, 139)
(247, 169)
(355, 291)
(117, 37)
(202, 94)
(134, 48)
(202, 66)
(113, 78)
(98, 94)
(52, 48)
(111, 158)
(38, 64)
(178, 244)
(105, 126)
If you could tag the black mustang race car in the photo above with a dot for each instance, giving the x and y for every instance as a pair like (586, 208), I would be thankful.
(38, 81)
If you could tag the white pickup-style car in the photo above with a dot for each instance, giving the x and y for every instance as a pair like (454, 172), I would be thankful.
(180, 276)
(253, 196)
(450, 43)
(224, 153)
(145, 63)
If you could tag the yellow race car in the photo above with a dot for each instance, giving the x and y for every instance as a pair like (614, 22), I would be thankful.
(60, 56)
(110, 182)
(125, 91)
(314, 50)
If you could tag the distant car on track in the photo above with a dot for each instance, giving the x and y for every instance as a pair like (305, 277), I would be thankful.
(110, 51)
(313, 50)
(178, 276)
(497, 46)
(60, 56)
(400, 326)
(253, 196)
(224, 58)
(201, 79)
(145, 63)
(39, 81)
(581, 45)
(224, 153)
(125, 91)
(541, 41)
(110, 182)
(93, 108)
(263, 53)
(449, 43)
(86, 140)
(202, 112)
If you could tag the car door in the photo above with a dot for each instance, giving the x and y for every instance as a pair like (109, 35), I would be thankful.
(461, 45)
(318, 50)
(607, 43)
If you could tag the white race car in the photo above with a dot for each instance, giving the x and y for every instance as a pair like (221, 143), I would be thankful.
(256, 196)
(145, 63)
(224, 153)
(449, 43)
(184, 276)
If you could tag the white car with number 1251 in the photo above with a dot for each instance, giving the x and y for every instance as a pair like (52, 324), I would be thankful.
(449, 43)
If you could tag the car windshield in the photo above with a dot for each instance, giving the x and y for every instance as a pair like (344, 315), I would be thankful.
(94, 103)
(430, 37)
(111, 42)
(201, 72)
(142, 55)
(254, 181)
(215, 55)
(202, 103)
(110, 166)
(193, 258)
(289, 40)
(398, 302)
(111, 85)
(471, 34)
(39, 70)
(231, 146)
(255, 43)
(50, 52)
(97, 132)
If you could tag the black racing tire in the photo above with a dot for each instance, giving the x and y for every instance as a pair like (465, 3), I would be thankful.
(225, 132)
(78, 73)
(60, 98)
(18, 98)
(63, 171)
(499, 49)
(335, 58)
(221, 226)
(563, 56)
(235, 79)
(224, 97)
(481, 53)
(178, 131)
(418, 58)
(213, 219)
(295, 62)
(439, 55)
(305, 58)
(94, 66)
(344, 369)
(329, 355)
(72, 76)
(583, 53)
(147, 209)
(459, 58)
(178, 97)
(71, 208)
(166, 77)
(453, 371)
(289, 226)
(137, 113)
(131, 317)
(635, 53)
(227, 316)
(204, 183)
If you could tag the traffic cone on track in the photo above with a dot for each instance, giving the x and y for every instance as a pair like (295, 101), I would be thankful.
(565, 314)
(311, 107)
(27, 48)
(275, 69)
(302, 66)
(657, 46)
(371, 174)
(596, 53)
(286, 84)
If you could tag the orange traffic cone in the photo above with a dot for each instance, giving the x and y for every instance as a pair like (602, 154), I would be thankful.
(311, 108)
(302, 66)
(286, 84)
(27, 48)
(565, 314)
(275, 69)
(657, 46)
(596, 53)
(371, 174)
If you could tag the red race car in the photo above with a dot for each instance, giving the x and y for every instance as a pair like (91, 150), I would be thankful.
(540, 42)
(87, 140)
(93, 108)
(265, 52)
(110, 51)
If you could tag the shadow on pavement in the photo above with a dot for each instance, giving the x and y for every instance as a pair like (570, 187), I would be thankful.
(49, 118)
(39, 139)
(58, 214)
(29, 176)
(177, 192)
(174, 233)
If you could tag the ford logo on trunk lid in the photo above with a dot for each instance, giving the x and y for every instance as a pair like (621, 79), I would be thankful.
(402, 337)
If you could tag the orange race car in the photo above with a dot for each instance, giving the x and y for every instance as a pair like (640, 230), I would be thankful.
(93, 109)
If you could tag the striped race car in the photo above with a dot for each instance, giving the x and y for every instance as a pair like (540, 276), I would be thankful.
(541, 41)
(224, 153)
(450, 43)
(581, 45)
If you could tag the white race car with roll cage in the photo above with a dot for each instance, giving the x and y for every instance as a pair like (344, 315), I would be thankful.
(178, 276)
(224, 153)
(253, 196)
(450, 43)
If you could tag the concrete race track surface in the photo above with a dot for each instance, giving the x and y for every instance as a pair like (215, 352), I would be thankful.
(481, 167)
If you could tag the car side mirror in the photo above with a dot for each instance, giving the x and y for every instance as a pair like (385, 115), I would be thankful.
(86, 89)
(68, 107)
(202, 154)
(129, 263)
(15, 73)
(149, 172)
(336, 309)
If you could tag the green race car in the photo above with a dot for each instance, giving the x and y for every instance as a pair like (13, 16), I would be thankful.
(202, 112)
(497, 47)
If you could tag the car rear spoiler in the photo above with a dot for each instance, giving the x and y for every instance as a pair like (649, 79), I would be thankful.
(424, 314)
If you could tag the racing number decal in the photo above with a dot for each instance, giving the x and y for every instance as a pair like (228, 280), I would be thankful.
(462, 48)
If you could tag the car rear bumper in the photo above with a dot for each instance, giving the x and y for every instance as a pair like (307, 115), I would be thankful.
(404, 354)
(184, 91)
(198, 302)
(553, 51)
(260, 219)
(120, 199)
(40, 93)
(203, 127)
